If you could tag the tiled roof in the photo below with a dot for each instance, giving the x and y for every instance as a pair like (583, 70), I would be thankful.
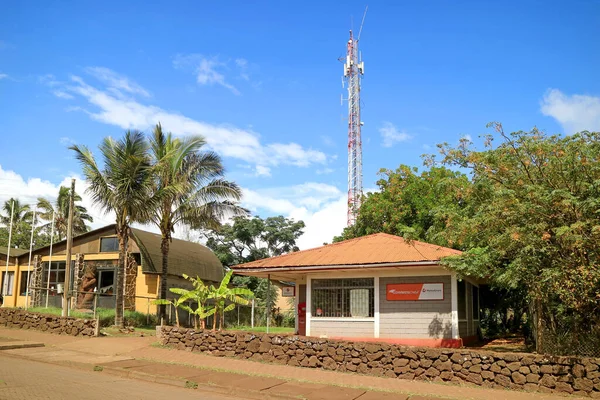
(379, 248)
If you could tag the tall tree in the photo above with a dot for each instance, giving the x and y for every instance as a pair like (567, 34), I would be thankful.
(21, 227)
(249, 239)
(413, 205)
(534, 223)
(60, 211)
(122, 186)
(188, 182)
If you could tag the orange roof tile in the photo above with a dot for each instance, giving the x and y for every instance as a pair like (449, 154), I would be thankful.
(379, 248)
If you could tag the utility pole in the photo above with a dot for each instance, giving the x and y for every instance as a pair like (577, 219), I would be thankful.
(29, 263)
(65, 310)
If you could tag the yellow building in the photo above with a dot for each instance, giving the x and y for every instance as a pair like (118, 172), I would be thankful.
(94, 261)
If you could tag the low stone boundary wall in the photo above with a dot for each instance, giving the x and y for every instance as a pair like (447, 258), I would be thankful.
(22, 319)
(489, 369)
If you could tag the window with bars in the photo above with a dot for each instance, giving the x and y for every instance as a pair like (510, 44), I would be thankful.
(343, 298)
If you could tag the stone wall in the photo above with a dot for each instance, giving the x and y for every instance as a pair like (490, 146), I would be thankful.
(517, 371)
(22, 319)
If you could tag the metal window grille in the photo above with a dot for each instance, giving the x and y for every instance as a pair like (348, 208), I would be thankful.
(343, 298)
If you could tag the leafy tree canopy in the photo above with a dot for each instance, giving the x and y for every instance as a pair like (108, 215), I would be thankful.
(413, 205)
(533, 221)
(250, 239)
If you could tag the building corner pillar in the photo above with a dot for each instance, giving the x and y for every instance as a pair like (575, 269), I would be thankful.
(454, 298)
(376, 296)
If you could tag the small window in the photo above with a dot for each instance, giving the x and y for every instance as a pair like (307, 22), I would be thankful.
(462, 299)
(8, 283)
(23, 283)
(475, 303)
(109, 244)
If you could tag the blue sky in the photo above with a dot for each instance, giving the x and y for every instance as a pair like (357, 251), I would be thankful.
(262, 82)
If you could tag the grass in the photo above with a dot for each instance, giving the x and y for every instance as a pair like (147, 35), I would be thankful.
(272, 329)
(105, 315)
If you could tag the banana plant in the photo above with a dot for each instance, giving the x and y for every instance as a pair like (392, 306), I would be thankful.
(184, 296)
(200, 294)
(223, 293)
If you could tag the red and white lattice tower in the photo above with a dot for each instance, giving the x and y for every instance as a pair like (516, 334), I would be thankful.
(353, 71)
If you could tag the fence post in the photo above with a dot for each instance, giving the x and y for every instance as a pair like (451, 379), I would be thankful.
(95, 303)
(252, 315)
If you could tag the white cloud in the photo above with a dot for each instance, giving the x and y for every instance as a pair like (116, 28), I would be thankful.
(116, 81)
(49, 80)
(391, 135)
(62, 95)
(575, 113)
(13, 185)
(467, 137)
(261, 170)
(208, 70)
(322, 207)
(325, 171)
(241, 62)
(227, 140)
(66, 141)
(3, 76)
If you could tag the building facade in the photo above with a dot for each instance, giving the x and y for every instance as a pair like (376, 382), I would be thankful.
(378, 287)
(38, 279)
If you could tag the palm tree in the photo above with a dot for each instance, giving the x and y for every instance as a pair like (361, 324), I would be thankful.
(60, 211)
(224, 293)
(21, 214)
(123, 187)
(189, 186)
(21, 223)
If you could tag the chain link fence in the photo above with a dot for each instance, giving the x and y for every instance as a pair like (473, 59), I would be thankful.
(568, 339)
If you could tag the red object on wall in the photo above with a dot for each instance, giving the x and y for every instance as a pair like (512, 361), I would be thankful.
(302, 319)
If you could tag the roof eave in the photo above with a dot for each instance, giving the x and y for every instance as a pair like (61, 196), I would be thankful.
(310, 268)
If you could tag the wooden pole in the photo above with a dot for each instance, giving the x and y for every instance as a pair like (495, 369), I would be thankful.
(65, 310)
(29, 263)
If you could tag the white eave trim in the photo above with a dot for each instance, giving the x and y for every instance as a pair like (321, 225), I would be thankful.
(337, 267)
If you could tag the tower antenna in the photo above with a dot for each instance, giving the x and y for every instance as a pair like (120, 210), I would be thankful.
(353, 71)
(362, 23)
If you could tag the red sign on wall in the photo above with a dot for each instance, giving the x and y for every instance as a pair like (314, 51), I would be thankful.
(414, 291)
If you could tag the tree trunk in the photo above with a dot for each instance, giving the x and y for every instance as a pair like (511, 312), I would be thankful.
(215, 316)
(164, 248)
(122, 235)
(539, 335)
(177, 316)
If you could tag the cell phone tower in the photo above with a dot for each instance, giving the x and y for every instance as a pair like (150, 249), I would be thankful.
(353, 71)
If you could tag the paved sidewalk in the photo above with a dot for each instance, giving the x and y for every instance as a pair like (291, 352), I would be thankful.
(141, 358)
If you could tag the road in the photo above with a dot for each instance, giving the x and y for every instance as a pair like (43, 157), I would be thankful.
(23, 379)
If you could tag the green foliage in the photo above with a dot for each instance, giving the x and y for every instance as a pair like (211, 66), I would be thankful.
(250, 239)
(105, 316)
(21, 227)
(533, 221)
(123, 186)
(224, 294)
(189, 186)
(412, 205)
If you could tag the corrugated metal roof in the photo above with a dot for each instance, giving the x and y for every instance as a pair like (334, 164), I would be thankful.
(379, 248)
(13, 252)
(188, 258)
